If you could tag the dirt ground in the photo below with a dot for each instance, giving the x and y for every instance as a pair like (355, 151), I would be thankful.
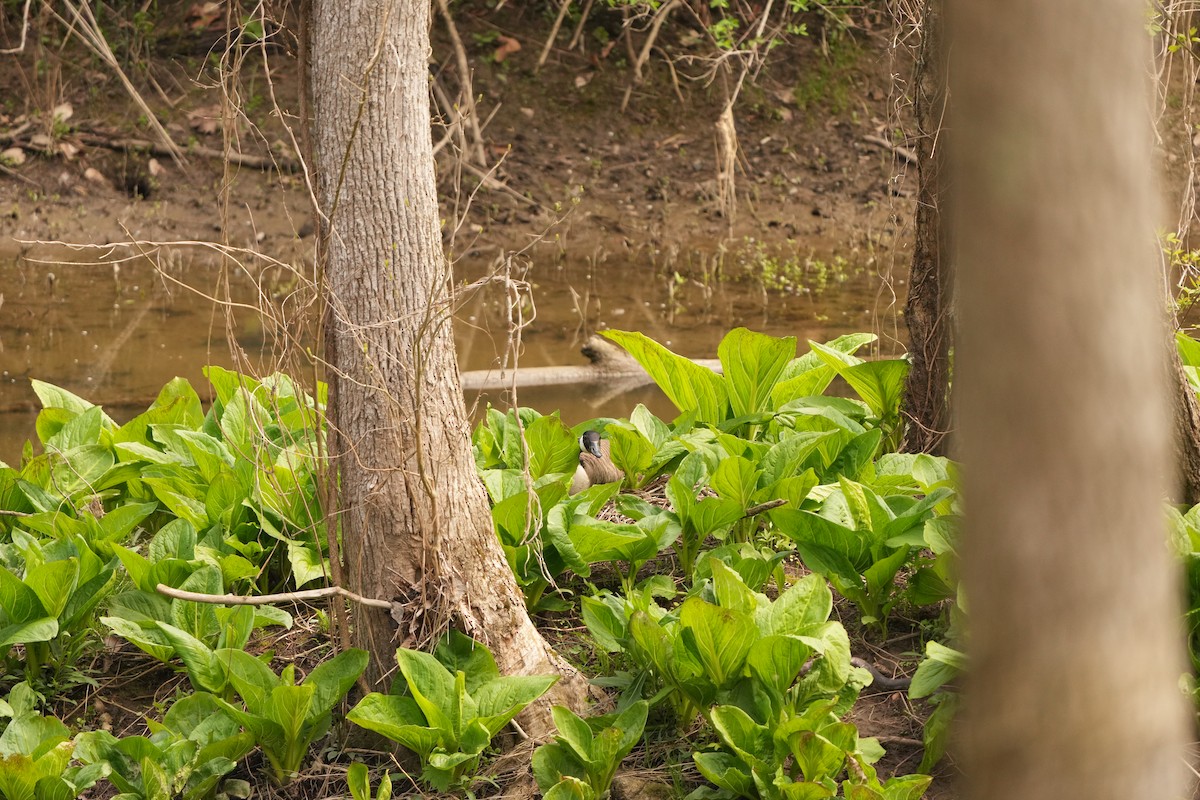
(567, 168)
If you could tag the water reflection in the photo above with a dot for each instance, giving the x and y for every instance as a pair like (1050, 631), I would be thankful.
(115, 333)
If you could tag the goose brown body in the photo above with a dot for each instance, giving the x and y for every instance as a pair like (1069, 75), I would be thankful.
(595, 463)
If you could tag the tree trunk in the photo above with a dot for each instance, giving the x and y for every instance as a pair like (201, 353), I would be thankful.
(927, 311)
(1187, 432)
(1062, 387)
(414, 519)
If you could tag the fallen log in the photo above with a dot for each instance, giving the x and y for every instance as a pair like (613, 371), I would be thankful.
(608, 364)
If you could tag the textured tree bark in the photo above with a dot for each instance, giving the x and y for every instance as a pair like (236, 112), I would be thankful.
(927, 310)
(1063, 402)
(1187, 433)
(414, 518)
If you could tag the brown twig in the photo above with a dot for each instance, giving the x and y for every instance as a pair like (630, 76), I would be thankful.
(761, 507)
(97, 139)
(283, 597)
(562, 13)
(903, 152)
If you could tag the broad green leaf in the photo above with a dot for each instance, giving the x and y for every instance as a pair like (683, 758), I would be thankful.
(940, 666)
(117, 524)
(331, 679)
(735, 479)
(569, 788)
(687, 384)
(879, 383)
(53, 396)
(806, 602)
(434, 689)
(631, 451)
(291, 707)
(38, 630)
(730, 591)
(752, 363)
(937, 730)
(552, 447)
(501, 699)
(749, 740)
(306, 562)
(553, 762)
(204, 669)
(53, 583)
(19, 601)
(721, 637)
(399, 719)
(727, 772)
(358, 781)
(252, 679)
(607, 626)
(816, 756)
(598, 541)
(82, 431)
(776, 661)
(145, 635)
(460, 653)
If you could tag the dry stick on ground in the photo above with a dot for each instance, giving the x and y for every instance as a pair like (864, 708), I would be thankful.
(587, 9)
(265, 599)
(562, 13)
(475, 150)
(126, 144)
(903, 152)
(88, 30)
(660, 17)
(24, 31)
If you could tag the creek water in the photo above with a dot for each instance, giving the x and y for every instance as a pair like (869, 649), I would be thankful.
(114, 332)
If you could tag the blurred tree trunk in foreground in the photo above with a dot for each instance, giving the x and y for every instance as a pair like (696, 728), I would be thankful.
(414, 519)
(1063, 399)
(927, 310)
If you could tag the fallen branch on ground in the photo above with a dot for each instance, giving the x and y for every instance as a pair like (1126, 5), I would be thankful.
(264, 599)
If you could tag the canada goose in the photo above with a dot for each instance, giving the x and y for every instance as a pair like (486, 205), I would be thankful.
(595, 464)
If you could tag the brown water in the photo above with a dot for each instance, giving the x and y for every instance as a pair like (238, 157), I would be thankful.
(115, 333)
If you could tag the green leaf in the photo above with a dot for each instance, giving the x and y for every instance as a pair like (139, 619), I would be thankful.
(52, 396)
(687, 384)
(631, 451)
(53, 584)
(736, 479)
(752, 363)
(399, 719)
(569, 788)
(204, 669)
(458, 652)
(358, 781)
(82, 431)
(434, 690)
(721, 638)
(19, 601)
(38, 630)
(501, 699)
(727, 772)
(552, 447)
(608, 626)
(776, 661)
(940, 666)
(332, 679)
(730, 590)
(749, 740)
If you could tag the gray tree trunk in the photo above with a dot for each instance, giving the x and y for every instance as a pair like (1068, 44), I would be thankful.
(414, 518)
(927, 309)
(1075, 643)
